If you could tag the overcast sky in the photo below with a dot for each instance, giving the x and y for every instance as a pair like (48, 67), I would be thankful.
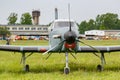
(80, 9)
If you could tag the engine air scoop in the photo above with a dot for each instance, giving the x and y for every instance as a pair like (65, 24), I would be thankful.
(68, 46)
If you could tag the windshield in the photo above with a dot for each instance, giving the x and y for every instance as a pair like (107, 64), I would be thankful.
(64, 24)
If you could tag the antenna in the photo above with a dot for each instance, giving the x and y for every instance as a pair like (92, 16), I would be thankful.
(69, 16)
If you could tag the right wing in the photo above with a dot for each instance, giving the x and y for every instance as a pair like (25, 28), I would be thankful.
(99, 48)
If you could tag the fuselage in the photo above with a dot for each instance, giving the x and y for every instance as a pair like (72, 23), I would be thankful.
(60, 31)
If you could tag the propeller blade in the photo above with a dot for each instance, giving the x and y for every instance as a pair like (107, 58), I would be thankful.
(89, 46)
(73, 56)
(96, 55)
(48, 56)
(71, 53)
(29, 55)
(49, 50)
(69, 17)
(53, 48)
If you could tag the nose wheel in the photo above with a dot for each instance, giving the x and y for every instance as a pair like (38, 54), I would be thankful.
(66, 69)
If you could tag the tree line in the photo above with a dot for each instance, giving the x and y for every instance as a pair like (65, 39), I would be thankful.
(26, 19)
(108, 21)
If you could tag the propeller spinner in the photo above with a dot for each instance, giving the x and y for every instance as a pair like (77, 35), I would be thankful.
(70, 37)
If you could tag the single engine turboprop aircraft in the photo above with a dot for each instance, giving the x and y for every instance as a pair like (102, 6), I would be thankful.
(63, 37)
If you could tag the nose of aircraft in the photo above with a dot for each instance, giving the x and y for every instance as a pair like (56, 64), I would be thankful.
(70, 37)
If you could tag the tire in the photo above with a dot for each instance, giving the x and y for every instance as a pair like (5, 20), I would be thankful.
(27, 68)
(99, 68)
(66, 70)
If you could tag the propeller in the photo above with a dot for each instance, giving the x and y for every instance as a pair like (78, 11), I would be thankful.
(69, 17)
(53, 47)
(48, 56)
(69, 37)
(89, 46)
(73, 55)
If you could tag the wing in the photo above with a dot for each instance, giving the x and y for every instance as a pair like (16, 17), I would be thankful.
(42, 49)
(24, 48)
(99, 48)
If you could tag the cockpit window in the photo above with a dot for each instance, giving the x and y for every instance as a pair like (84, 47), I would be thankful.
(64, 24)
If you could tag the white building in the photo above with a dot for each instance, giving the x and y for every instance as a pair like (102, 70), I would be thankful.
(102, 34)
(24, 30)
(95, 32)
(27, 30)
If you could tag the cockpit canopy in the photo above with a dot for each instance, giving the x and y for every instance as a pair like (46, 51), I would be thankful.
(64, 24)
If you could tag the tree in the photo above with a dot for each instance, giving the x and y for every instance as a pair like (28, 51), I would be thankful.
(117, 25)
(91, 25)
(106, 21)
(4, 32)
(82, 27)
(12, 18)
(26, 19)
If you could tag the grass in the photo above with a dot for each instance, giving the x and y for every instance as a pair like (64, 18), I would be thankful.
(84, 68)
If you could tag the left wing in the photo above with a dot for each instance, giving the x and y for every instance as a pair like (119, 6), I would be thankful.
(24, 48)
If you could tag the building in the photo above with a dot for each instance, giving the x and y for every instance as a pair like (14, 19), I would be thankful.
(24, 30)
(102, 34)
(27, 30)
(35, 15)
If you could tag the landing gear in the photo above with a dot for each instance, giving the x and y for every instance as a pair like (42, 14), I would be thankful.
(25, 67)
(101, 67)
(66, 69)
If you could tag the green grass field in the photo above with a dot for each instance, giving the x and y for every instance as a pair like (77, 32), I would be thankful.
(84, 68)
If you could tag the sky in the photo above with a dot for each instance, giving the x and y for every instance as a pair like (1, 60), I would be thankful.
(80, 10)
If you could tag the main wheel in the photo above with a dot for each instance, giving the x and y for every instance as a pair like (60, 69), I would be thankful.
(66, 70)
(27, 68)
(99, 68)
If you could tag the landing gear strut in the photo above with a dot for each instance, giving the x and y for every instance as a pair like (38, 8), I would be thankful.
(101, 67)
(25, 67)
(66, 69)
